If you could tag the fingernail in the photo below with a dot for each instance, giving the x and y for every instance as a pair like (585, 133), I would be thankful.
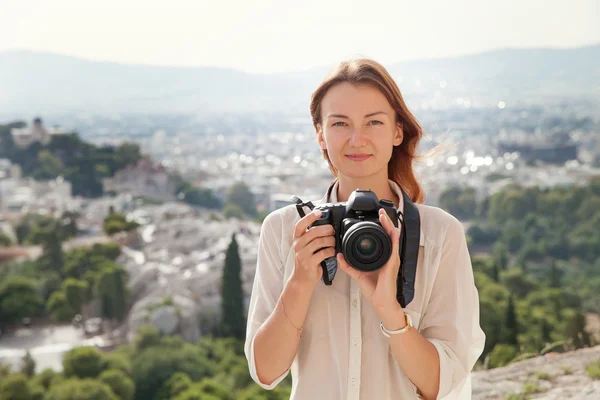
(318, 213)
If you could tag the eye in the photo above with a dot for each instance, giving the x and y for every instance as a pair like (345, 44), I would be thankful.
(340, 122)
(375, 122)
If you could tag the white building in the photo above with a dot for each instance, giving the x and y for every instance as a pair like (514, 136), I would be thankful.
(24, 137)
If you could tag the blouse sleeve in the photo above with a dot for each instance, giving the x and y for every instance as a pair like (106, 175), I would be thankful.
(267, 287)
(451, 321)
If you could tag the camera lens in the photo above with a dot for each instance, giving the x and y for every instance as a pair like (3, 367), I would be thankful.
(366, 246)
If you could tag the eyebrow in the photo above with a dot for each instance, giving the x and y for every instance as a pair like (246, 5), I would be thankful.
(366, 116)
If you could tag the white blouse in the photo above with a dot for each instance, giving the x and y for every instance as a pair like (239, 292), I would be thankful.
(342, 353)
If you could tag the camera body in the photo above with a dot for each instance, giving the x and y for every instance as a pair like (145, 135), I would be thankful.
(359, 235)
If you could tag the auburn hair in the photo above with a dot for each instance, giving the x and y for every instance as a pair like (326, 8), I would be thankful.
(364, 71)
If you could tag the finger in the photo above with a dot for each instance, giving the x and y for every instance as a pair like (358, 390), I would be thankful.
(308, 253)
(313, 247)
(304, 222)
(393, 264)
(319, 243)
(319, 231)
(321, 255)
(386, 222)
(312, 234)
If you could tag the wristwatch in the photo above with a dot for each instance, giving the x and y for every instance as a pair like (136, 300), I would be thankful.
(387, 332)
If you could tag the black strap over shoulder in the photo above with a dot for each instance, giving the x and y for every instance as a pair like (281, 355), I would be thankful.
(409, 251)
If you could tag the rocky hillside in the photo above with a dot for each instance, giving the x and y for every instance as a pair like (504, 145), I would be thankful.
(554, 376)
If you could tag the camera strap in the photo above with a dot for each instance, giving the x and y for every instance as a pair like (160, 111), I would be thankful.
(410, 226)
(409, 251)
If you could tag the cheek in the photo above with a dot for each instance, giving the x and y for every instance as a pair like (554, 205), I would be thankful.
(333, 142)
(384, 145)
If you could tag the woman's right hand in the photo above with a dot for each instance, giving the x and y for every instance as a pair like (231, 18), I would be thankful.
(311, 247)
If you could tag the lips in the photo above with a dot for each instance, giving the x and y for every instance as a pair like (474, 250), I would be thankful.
(358, 157)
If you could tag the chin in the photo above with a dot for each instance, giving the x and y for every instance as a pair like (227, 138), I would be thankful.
(360, 171)
(356, 172)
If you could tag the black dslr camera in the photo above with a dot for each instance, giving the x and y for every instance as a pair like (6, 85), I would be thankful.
(358, 234)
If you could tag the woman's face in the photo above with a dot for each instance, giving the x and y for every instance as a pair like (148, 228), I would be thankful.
(358, 129)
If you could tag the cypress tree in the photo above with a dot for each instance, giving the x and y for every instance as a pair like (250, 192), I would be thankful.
(555, 275)
(495, 272)
(511, 322)
(233, 321)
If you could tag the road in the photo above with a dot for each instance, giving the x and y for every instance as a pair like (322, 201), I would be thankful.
(35, 252)
(47, 345)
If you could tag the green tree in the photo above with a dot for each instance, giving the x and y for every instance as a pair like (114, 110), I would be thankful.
(511, 323)
(19, 298)
(212, 387)
(500, 255)
(28, 364)
(518, 282)
(50, 239)
(69, 224)
(147, 336)
(15, 387)
(48, 166)
(255, 392)
(461, 203)
(59, 307)
(76, 292)
(153, 367)
(241, 195)
(233, 322)
(233, 211)
(120, 384)
(5, 240)
(127, 153)
(83, 362)
(177, 384)
(46, 378)
(576, 330)
(546, 331)
(482, 234)
(502, 355)
(110, 290)
(555, 275)
(196, 196)
(81, 389)
(118, 362)
(116, 222)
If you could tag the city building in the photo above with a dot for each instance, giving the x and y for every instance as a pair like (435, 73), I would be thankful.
(25, 137)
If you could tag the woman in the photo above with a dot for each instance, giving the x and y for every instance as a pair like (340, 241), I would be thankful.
(353, 340)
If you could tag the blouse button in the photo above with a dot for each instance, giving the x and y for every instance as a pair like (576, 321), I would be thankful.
(354, 303)
(353, 381)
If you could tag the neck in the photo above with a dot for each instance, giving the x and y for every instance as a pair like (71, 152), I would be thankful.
(380, 186)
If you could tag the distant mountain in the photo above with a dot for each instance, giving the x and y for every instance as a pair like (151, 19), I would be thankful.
(44, 83)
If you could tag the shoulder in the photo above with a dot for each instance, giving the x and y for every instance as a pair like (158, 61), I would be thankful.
(282, 221)
(439, 225)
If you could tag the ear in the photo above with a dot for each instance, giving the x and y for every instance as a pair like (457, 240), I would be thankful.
(399, 134)
(321, 138)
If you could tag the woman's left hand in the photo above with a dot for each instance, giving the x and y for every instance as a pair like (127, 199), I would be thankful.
(379, 287)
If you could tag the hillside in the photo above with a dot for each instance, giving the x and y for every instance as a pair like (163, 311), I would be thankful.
(47, 83)
(555, 376)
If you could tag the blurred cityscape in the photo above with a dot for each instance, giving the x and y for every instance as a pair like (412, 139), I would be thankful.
(177, 249)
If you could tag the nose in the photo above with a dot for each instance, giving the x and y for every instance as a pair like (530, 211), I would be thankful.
(358, 137)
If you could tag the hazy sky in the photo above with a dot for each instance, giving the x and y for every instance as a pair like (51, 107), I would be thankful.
(283, 35)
